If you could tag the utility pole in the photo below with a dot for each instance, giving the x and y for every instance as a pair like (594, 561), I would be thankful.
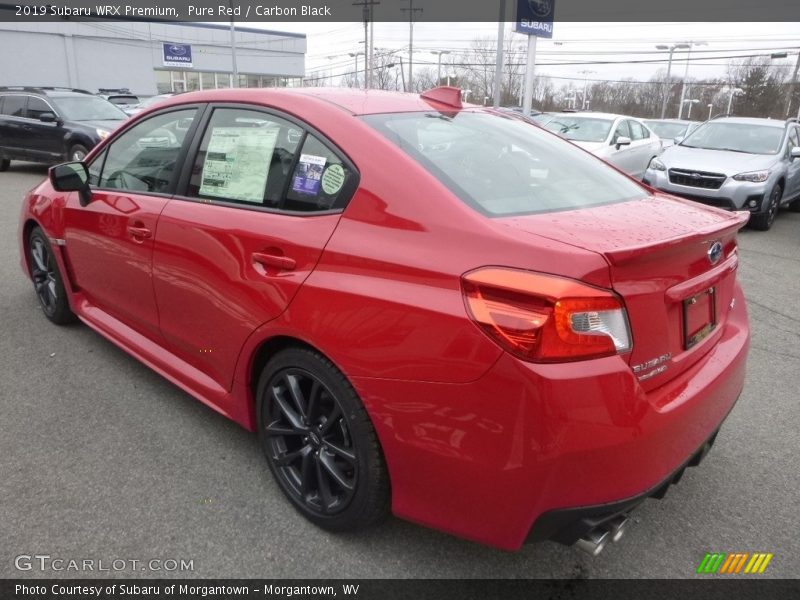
(368, 40)
(686, 75)
(235, 82)
(411, 12)
(585, 73)
(498, 70)
(671, 49)
(439, 53)
(792, 86)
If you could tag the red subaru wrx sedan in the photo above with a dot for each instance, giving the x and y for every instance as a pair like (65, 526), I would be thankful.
(419, 306)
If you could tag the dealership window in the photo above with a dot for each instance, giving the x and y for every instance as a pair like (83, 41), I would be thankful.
(143, 158)
(192, 81)
(163, 82)
(223, 80)
(207, 81)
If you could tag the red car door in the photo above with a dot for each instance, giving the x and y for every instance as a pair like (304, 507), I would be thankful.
(261, 201)
(109, 242)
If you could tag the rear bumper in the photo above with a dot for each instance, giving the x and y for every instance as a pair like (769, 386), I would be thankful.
(567, 526)
(486, 460)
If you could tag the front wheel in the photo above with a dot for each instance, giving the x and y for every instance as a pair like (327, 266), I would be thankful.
(47, 281)
(320, 443)
(78, 152)
(763, 221)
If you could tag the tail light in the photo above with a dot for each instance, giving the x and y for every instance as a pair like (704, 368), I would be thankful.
(545, 318)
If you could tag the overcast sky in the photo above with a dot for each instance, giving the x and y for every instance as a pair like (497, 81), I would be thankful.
(330, 43)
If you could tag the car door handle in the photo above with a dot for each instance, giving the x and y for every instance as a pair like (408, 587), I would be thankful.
(139, 232)
(276, 261)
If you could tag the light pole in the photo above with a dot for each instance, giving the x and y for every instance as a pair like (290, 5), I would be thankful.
(585, 105)
(690, 103)
(734, 92)
(710, 107)
(671, 49)
(439, 63)
(356, 55)
(686, 74)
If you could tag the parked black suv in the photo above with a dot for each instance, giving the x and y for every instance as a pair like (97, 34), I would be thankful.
(51, 125)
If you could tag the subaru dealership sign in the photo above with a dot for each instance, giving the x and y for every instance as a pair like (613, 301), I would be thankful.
(178, 55)
(535, 17)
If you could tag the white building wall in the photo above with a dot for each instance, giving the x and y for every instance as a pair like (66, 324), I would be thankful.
(116, 54)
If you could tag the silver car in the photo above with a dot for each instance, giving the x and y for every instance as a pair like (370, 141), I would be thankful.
(735, 163)
(625, 142)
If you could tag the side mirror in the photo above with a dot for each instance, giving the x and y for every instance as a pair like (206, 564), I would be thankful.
(623, 141)
(71, 177)
(48, 117)
(795, 152)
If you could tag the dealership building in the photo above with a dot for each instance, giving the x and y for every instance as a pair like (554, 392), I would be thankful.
(147, 58)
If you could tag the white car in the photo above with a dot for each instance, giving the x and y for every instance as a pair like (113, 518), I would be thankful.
(625, 142)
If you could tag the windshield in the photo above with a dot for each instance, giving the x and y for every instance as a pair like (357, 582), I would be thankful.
(580, 129)
(501, 166)
(736, 137)
(668, 131)
(123, 100)
(88, 108)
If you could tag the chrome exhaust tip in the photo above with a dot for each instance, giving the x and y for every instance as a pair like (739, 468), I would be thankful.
(594, 541)
(617, 527)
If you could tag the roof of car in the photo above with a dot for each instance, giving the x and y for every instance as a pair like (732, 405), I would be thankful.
(354, 101)
(676, 121)
(752, 121)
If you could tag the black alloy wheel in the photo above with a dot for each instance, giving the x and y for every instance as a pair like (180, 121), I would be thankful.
(763, 221)
(47, 282)
(319, 442)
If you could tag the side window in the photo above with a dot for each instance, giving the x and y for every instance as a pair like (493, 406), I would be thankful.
(143, 159)
(37, 106)
(245, 156)
(622, 131)
(14, 106)
(638, 132)
(320, 180)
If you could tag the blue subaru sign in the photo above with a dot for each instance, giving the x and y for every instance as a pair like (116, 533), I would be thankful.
(178, 55)
(535, 17)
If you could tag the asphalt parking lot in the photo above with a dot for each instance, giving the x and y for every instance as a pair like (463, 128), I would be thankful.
(101, 458)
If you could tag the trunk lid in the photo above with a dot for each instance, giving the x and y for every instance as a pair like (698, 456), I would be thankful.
(677, 292)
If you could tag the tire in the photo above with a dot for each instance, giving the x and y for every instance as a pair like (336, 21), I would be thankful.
(320, 443)
(4, 164)
(763, 221)
(47, 281)
(77, 152)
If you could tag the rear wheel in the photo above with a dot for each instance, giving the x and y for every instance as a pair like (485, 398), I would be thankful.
(319, 442)
(78, 152)
(47, 281)
(764, 220)
(4, 164)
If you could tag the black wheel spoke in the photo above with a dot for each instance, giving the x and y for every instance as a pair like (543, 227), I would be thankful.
(334, 471)
(332, 419)
(276, 428)
(290, 457)
(293, 385)
(342, 453)
(313, 401)
(325, 495)
(308, 474)
(40, 258)
(286, 409)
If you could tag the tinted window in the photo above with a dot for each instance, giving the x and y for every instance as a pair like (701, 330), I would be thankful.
(245, 156)
(501, 166)
(320, 180)
(88, 108)
(736, 137)
(15, 105)
(668, 131)
(580, 129)
(37, 106)
(143, 159)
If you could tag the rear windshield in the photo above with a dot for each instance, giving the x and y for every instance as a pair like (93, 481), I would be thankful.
(123, 100)
(736, 137)
(502, 166)
(580, 129)
(89, 108)
(668, 131)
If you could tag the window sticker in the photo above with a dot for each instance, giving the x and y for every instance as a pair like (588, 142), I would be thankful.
(237, 161)
(333, 179)
(308, 174)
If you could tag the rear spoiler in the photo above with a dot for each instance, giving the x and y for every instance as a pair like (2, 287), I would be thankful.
(738, 220)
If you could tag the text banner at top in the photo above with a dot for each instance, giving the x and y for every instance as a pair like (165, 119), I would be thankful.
(432, 11)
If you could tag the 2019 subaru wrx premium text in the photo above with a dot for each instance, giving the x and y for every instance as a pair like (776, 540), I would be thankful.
(418, 305)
